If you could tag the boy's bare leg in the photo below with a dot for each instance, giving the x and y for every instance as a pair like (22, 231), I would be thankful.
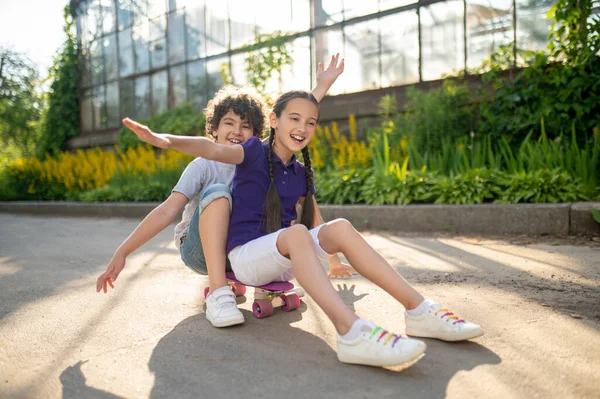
(213, 227)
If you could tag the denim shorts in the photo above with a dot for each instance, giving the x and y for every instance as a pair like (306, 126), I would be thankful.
(191, 249)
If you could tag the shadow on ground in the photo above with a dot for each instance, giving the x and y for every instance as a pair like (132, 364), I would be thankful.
(571, 295)
(272, 358)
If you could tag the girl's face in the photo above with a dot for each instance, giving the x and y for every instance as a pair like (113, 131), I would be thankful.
(232, 129)
(296, 125)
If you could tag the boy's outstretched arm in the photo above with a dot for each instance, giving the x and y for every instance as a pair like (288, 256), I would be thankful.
(202, 147)
(326, 77)
(156, 221)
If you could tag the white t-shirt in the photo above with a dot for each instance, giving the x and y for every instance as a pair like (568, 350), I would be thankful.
(195, 179)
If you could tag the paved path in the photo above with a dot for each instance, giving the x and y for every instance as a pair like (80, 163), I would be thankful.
(149, 337)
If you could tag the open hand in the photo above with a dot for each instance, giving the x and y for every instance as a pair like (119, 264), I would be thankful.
(113, 270)
(340, 270)
(146, 135)
(329, 75)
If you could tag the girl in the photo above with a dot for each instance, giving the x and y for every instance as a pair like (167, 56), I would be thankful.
(263, 246)
(233, 116)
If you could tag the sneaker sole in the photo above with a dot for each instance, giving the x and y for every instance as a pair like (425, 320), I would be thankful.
(395, 366)
(225, 322)
(449, 337)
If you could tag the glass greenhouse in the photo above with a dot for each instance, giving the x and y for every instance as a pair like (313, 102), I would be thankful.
(141, 57)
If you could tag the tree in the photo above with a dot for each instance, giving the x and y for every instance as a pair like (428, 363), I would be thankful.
(61, 119)
(20, 102)
(266, 58)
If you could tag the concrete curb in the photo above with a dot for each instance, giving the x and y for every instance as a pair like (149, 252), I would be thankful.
(531, 219)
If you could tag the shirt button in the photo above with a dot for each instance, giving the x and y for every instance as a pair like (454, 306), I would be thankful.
(283, 182)
(285, 172)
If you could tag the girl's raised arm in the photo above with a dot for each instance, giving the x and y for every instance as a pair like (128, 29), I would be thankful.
(196, 146)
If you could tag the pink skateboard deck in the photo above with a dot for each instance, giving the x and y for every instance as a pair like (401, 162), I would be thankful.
(266, 297)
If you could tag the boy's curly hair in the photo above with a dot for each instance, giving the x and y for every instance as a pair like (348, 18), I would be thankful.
(243, 101)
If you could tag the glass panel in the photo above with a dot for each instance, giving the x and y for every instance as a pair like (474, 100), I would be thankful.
(94, 19)
(358, 8)
(241, 20)
(158, 50)
(217, 31)
(126, 60)
(189, 4)
(300, 15)
(139, 10)
(238, 69)
(362, 47)
(176, 38)
(110, 56)
(489, 24)
(159, 92)
(399, 59)
(81, 33)
(125, 13)
(389, 4)
(127, 98)
(108, 16)
(140, 46)
(214, 81)
(97, 62)
(327, 43)
(532, 25)
(157, 28)
(177, 86)
(87, 124)
(99, 107)
(85, 70)
(442, 39)
(197, 84)
(194, 25)
(298, 75)
(292, 15)
(112, 104)
(328, 12)
(156, 8)
(142, 98)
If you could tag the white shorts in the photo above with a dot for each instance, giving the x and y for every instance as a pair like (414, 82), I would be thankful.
(258, 262)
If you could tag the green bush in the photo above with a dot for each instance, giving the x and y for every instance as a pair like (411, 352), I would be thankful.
(26, 185)
(540, 186)
(559, 86)
(473, 187)
(340, 187)
(182, 120)
(391, 189)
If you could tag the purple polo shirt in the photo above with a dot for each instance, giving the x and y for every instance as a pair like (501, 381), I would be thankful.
(249, 190)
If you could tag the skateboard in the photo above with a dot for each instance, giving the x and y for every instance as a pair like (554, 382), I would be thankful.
(267, 297)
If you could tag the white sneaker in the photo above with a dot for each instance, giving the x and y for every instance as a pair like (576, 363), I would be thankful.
(221, 308)
(377, 347)
(440, 323)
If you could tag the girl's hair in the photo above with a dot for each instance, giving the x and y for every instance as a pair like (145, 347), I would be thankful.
(272, 201)
(243, 101)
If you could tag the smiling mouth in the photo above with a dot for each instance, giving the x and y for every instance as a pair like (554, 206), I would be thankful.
(235, 141)
(298, 139)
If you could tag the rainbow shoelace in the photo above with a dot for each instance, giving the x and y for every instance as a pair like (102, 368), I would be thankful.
(384, 333)
(450, 315)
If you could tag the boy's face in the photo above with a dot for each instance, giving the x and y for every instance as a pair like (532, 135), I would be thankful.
(232, 129)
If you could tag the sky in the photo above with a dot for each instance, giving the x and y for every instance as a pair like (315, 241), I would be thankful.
(33, 27)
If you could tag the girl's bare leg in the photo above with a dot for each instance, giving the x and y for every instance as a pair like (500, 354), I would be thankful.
(213, 225)
(340, 236)
(296, 243)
